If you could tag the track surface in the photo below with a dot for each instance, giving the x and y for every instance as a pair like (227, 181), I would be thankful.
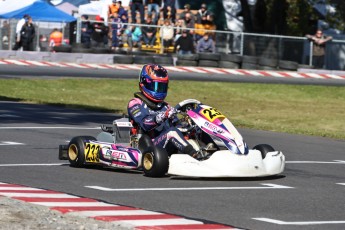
(308, 195)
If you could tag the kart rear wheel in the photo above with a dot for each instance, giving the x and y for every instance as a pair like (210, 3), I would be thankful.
(76, 150)
(264, 149)
(155, 162)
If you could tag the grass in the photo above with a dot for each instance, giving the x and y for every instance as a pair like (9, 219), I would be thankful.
(298, 109)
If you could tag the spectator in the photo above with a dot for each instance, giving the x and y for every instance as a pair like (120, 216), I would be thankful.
(137, 5)
(180, 26)
(206, 45)
(122, 28)
(169, 10)
(206, 25)
(319, 44)
(19, 26)
(115, 30)
(149, 33)
(55, 38)
(167, 34)
(27, 34)
(113, 8)
(201, 13)
(122, 11)
(5, 32)
(188, 19)
(99, 33)
(186, 10)
(86, 30)
(184, 44)
(154, 6)
(132, 36)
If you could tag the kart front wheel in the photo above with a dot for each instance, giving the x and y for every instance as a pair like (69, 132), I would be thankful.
(76, 150)
(155, 162)
(264, 149)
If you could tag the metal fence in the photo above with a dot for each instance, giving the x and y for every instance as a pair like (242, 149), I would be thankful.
(297, 49)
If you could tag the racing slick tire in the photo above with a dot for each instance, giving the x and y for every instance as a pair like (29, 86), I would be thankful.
(76, 150)
(155, 162)
(264, 149)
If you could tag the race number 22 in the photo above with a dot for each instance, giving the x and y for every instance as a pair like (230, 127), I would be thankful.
(91, 152)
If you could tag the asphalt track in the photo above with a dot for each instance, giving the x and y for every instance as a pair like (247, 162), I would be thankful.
(308, 195)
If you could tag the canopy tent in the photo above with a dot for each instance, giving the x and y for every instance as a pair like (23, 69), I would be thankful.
(39, 11)
(12, 5)
(67, 7)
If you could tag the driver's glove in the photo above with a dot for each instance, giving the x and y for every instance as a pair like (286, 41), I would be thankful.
(171, 112)
(160, 117)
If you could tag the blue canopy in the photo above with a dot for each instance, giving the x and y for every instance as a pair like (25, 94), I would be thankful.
(41, 11)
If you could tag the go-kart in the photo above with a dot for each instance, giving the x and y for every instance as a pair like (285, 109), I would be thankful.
(222, 150)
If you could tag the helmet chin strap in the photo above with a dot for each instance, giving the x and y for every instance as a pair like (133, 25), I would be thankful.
(152, 105)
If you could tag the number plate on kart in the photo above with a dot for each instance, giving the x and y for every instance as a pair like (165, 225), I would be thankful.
(211, 114)
(91, 152)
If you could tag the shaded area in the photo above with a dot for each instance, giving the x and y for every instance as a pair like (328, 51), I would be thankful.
(13, 111)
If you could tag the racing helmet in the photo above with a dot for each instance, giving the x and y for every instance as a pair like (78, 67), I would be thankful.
(153, 82)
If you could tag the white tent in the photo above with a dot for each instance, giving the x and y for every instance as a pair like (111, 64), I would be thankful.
(67, 8)
(98, 8)
(12, 5)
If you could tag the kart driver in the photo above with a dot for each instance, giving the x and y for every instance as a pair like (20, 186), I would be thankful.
(152, 114)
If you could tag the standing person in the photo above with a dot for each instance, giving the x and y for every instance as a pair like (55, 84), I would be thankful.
(169, 10)
(115, 30)
(19, 26)
(154, 6)
(319, 46)
(27, 35)
(149, 33)
(184, 44)
(86, 30)
(151, 114)
(167, 34)
(99, 32)
(206, 45)
(186, 9)
(137, 5)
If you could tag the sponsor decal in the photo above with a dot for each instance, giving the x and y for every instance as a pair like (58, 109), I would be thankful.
(213, 127)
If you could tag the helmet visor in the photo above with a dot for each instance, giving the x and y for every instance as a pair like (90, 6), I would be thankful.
(158, 87)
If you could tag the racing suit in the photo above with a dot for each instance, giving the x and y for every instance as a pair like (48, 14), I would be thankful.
(146, 115)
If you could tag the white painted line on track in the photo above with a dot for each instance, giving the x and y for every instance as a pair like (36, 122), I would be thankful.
(151, 222)
(10, 143)
(265, 186)
(273, 221)
(72, 204)
(113, 213)
(316, 162)
(15, 188)
(341, 183)
(45, 127)
(15, 165)
(36, 195)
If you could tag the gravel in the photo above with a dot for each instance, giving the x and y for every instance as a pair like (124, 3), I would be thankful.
(19, 215)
